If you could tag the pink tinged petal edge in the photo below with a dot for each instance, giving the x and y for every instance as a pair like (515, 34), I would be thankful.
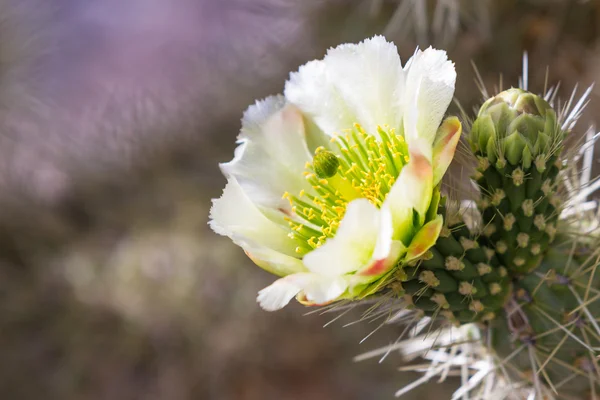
(444, 147)
(387, 251)
(418, 182)
(354, 243)
(381, 266)
(425, 238)
(412, 190)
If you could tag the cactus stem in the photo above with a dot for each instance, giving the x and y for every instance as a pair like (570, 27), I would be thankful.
(466, 289)
(467, 243)
(501, 247)
(509, 221)
(555, 200)
(429, 279)
(495, 288)
(483, 163)
(519, 261)
(547, 187)
(522, 295)
(540, 163)
(501, 162)
(562, 327)
(497, 197)
(489, 253)
(440, 300)
(489, 230)
(523, 240)
(454, 264)
(476, 306)
(445, 232)
(540, 222)
(483, 203)
(584, 304)
(528, 207)
(586, 311)
(483, 269)
(536, 379)
(551, 231)
(518, 177)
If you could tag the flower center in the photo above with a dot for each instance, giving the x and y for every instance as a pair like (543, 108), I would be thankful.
(364, 167)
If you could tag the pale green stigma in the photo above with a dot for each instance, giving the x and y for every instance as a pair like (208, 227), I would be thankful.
(325, 163)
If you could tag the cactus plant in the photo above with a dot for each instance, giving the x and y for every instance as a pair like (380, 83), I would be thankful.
(513, 297)
(542, 341)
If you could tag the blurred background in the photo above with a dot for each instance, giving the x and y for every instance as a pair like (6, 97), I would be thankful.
(113, 118)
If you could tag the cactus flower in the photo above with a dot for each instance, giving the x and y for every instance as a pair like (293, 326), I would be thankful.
(335, 184)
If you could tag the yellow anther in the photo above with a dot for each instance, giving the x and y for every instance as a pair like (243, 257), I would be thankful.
(368, 167)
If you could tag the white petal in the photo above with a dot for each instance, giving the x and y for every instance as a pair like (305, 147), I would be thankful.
(324, 289)
(412, 190)
(353, 245)
(313, 92)
(367, 75)
(354, 83)
(271, 260)
(387, 251)
(234, 215)
(429, 89)
(316, 288)
(444, 147)
(279, 293)
(272, 155)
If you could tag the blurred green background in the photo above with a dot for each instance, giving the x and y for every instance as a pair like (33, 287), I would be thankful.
(113, 118)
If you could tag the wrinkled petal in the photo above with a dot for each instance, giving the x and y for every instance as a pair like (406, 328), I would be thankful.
(429, 89)
(444, 146)
(425, 238)
(355, 83)
(353, 245)
(312, 91)
(313, 287)
(272, 154)
(411, 191)
(370, 79)
(234, 215)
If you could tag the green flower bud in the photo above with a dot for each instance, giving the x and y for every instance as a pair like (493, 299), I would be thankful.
(514, 146)
(519, 122)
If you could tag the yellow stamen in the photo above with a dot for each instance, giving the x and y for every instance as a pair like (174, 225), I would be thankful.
(364, 166)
